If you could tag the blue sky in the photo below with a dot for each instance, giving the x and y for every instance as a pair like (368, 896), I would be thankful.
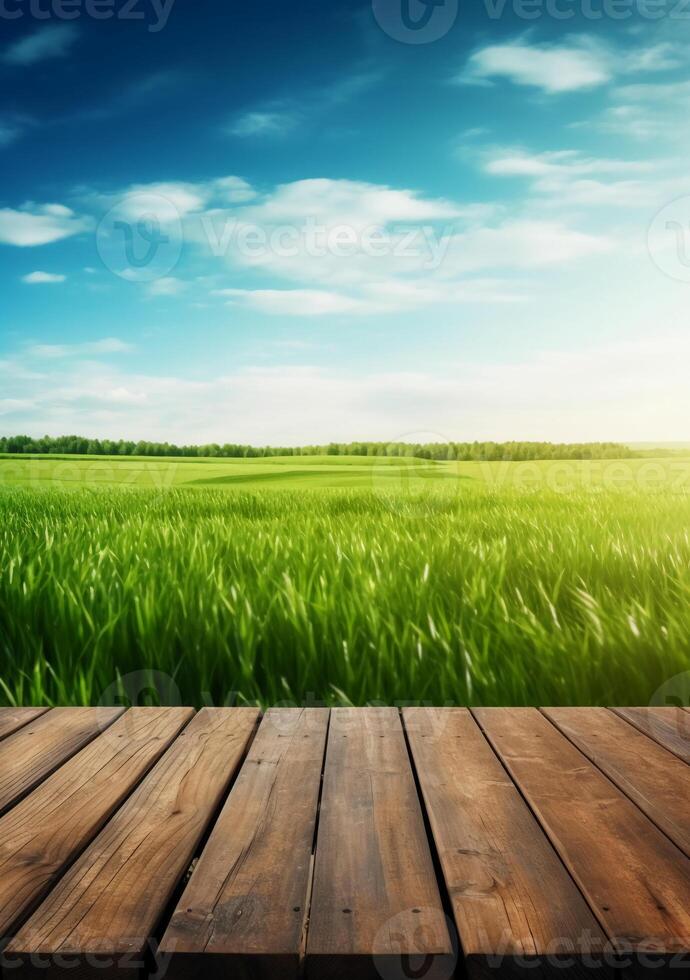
(286, 223)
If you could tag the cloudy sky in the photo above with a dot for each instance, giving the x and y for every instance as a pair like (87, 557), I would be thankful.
(286, 223)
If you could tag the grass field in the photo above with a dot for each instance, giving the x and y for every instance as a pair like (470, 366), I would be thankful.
(344, 580)
(379, 474)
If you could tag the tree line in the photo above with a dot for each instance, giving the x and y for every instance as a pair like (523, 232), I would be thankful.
(469, 451)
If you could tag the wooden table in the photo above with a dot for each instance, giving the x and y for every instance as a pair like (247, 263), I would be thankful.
(356, 842)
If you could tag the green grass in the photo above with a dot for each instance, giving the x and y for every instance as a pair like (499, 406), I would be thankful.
(453, 588)
(390, 475)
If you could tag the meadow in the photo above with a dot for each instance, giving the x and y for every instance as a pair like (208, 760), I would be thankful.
(343, 580)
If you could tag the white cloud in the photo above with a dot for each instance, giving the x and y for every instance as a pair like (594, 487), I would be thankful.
(429, 251)
(39, 225)
(553, 69)
(658, 57)
(293, 302)
(646, 112)
(579, 63)
(263, 124)
(372, 299)
(281, 116)
(678, 92)
(332, 231)
(168, 201)
(520, 244)
(402, 250)
(52, 41)
(172, 201)
(166, 286)
(14, 406)
(354, 203)
(235, 190)
(555, 163)
(571, 178)
(635, 391)
(43, 277)
(108, 345)
(8, 133)
(393, 296)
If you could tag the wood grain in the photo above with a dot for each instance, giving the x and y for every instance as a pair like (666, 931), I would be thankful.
(634, 878)
(512, 898)
(112, 897)
(242, 913)
(657, 781)
(375, 903)
(12, 719)
(548, 834)
(669, 727)
(39, 748)
(49, 828)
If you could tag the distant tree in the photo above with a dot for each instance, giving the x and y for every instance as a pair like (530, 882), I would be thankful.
(79, 445)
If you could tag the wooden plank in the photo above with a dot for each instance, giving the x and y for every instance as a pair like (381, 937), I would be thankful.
(669, 727)
(12, 719)
(512, 898)
(49, 828)
(243, 912)
(657, 781)
(376, 907)
(38, 749)
(634, 878)
(112, 897)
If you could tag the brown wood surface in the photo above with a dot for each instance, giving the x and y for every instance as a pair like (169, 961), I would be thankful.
(244, 908)
(12, 719)
(669, 727)
(511, 896)
(376, 908)
(39, 748)
(49, 828)
(553, 831)
(634, 878)
(112, 897)
(657, 781)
